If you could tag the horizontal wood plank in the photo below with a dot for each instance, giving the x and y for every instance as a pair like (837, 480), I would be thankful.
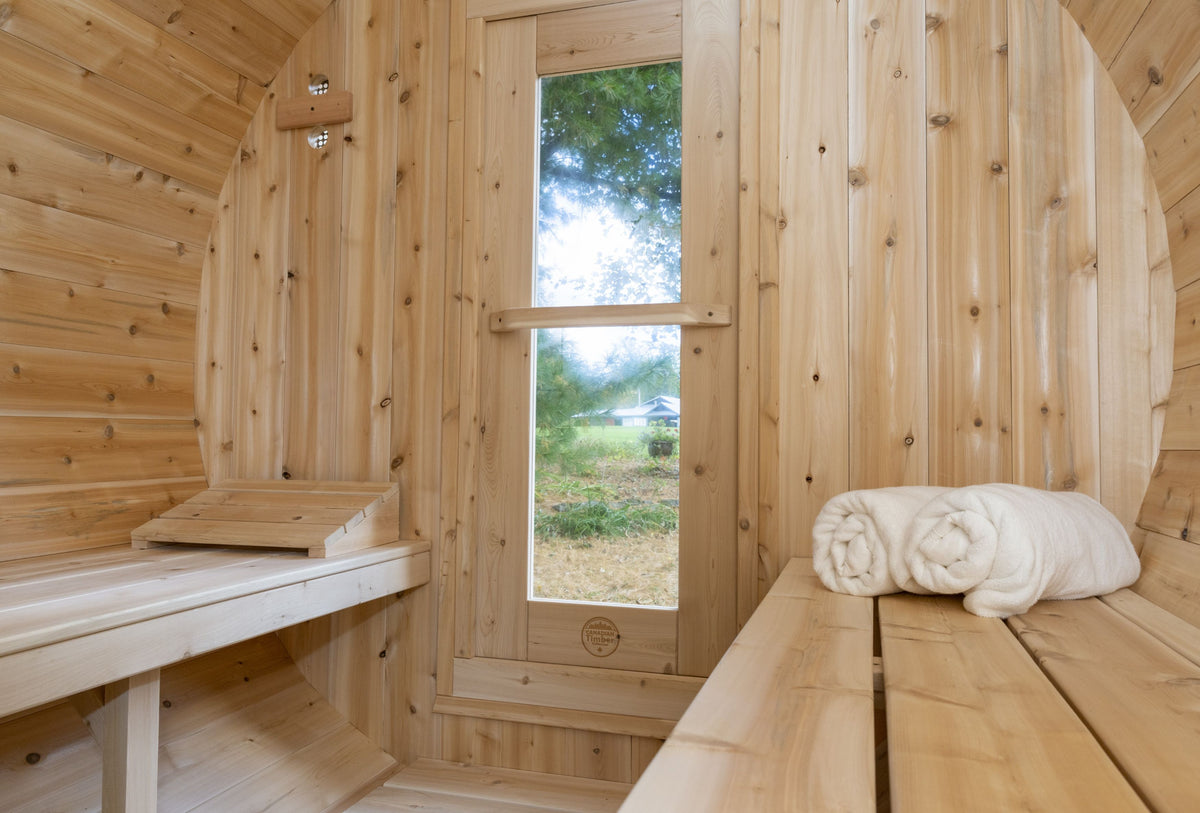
(35, 522)
(229, 31)
(1133, 691)
(53, 451)
(606, 722)
(52, 243)
(1169, 575)
(1173, 147)
(1179, 633)
(970, 717)
(611, 315)
(335, 107)
(236, 533)
(505, 9)
(278, 514)
(56, 383)
(1171, 497)
(52, 171)
(785, 721)
(1181, 427)
(1157, 61)
(574, 687)
(502, 785)
(41, 312)
(646, 641)
(32, 676)
(632, 33)
(53, 94)
(129, 50)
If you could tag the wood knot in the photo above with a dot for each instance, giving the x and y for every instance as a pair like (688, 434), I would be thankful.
(174, 16)
(875, 24)
(997, 168)
(856, 177)
(808, 478)
(909, 440)
(939, 120)
(744, 524)
(933, 22)
(393, 76)
(108, 432)
(12, 168)
(890, 242)
(405, 96)
(1155, 75)
(1070, 484)
(975, 310)
(33, 758)
(978, 422)
(385, 403)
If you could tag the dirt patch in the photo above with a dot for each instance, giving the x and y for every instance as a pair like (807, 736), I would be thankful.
(639, 569)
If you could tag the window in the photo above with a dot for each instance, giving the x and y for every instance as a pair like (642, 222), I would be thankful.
(606, 307)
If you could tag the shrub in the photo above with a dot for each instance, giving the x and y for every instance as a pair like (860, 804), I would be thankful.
(597, 518)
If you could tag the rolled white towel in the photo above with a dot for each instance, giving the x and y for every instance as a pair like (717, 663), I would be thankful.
(1008, 546)
(858, 539)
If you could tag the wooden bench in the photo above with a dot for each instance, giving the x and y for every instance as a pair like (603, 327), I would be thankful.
(115, 616)
(1078, 705)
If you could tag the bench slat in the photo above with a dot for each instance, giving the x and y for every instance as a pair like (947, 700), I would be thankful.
(972, 721)
(1171, 630)
(227, 532)
(159, 582)
(1137, 694)
(786, 721)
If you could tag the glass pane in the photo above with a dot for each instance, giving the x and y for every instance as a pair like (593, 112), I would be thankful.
(610, 187)
(606, 465)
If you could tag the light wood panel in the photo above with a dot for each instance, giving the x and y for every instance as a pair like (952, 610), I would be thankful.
(1181, 431)
(52, 171)
(63, 382)
(645, 642)
(784, 722)
(230, 31)
(609, 36)
(129, 751)
(1181, 232)
(60, 245)
(1158, 60)
(131, 51)
(507, 195)
(811, 241)
(1113, 674)
(1107, 25)
(634, 726)
(1169, 567)
(971, 717)
(970, 405)
(889, 389)
(1053, 239)
(1170, 499)
(708, 455)
(1171, 145)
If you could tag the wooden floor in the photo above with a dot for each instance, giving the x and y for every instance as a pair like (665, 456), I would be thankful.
(434, 786)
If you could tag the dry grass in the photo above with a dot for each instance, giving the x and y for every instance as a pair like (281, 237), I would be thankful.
(641, 569)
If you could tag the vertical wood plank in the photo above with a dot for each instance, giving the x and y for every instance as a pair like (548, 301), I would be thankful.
(506, 280)
(1124, 223)
(889, 413)
(314, 252)
(368, 241)
(813, 233)
(260, 303)
(1053, 252)
(468, 306)
(130, 747)
(597, 755)
(749, 268)
(708, 530)
(767, 561)
(969, 368)
(214, 337)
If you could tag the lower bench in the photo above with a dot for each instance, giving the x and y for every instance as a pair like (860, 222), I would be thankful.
(1079, 705)
(115, 616)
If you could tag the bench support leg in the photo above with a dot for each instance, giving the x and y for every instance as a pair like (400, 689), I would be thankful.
(130, 744)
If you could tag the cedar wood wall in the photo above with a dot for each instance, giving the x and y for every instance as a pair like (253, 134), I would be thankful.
(862, 259)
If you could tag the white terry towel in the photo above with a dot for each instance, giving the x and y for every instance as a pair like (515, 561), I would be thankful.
(858, 539)
(1007, 546)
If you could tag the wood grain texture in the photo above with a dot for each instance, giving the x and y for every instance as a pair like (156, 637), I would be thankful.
(108, 40)
(51, 93)
(53, 171)
(1171, 498)
(812, 240)
(129, 749)
(1126, 254)
(1187, 326)
(60, 245)
(646, 644)
(1181, 431)
(64, 383)
(507, 184)
(970, 405)
(963, 694)
(609, 36)
(785, 720)
(1107, 25)
(43, 520)
(608, 722)
(1053, 250)
(889, 372)
(1132, 690)
(708, 451)
(1169, 567)
(1171, 145)
(1157, 61)
(229, 31)
(54, 451)
(1182, 221)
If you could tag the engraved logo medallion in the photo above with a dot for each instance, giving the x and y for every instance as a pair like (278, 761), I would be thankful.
(600, 636)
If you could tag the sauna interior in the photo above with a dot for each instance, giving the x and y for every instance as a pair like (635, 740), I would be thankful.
(266, 278)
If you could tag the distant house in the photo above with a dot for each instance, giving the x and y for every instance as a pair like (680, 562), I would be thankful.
(663, 408)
